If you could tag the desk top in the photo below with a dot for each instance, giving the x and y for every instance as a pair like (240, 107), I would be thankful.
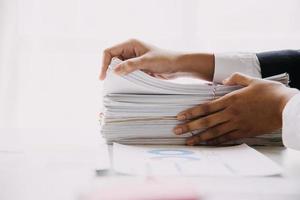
(66, 171)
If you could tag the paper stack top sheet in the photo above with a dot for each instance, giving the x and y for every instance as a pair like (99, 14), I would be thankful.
(139, 82)
(141, 109)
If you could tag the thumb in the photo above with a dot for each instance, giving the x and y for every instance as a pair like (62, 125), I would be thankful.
(238, 79)
(130, 65)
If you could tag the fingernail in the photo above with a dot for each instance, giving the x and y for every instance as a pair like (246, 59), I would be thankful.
(178, 130)
(181, 117)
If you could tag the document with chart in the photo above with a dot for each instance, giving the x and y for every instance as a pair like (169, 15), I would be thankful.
(154, 160)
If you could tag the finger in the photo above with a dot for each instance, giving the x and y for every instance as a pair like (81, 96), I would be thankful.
(238, 79)
(116, 51)
(160, 76)
(108, 54)
(211, 133)
(131, 65)
(204, 109)
(231, 136)
(201, 123)
(106, 59)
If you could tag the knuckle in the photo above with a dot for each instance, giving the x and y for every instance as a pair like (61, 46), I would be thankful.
(130, 68)
(236, 75)
(129, 64)
(209, 134)
(190, 127)
(205, 108)
(195, 112)
(189, 114)
(187, 128)
(204, 123)
(133, 40)
(195, 125)
(106, 51)
(121, 68)
(223, 139)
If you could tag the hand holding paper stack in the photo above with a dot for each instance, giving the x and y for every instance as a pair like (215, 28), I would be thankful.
(141, 109)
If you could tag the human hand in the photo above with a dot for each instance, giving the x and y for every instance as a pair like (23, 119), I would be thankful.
(157, 62)
(138, 55)
(253, 110)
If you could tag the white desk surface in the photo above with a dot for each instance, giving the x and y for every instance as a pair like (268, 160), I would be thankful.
(65, 171)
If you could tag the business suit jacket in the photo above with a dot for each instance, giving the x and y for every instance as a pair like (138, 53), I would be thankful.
(276, 62)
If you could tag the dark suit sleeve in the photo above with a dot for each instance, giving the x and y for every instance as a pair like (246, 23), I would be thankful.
(277, 62)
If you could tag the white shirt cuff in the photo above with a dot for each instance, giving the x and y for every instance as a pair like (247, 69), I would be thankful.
(229, 63)
(290, 123)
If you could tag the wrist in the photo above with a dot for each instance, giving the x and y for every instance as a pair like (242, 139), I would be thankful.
(200, 65)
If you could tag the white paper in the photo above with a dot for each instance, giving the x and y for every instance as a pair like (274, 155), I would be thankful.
(150, 160)
(139, 82)
(141, 109)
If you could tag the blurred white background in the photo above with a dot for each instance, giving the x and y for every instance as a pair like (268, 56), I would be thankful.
(50, 50)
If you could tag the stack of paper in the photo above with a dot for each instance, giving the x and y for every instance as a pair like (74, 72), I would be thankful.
(141, 109)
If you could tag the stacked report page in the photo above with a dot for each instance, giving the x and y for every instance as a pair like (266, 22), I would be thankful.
(141, 109)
